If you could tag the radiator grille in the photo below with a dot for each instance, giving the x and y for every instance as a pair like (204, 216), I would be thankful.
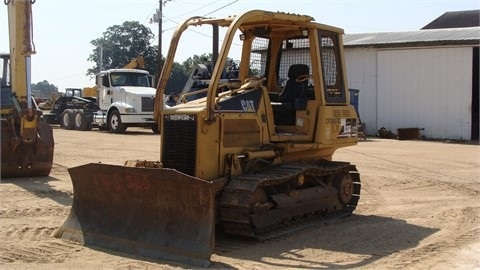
(337, 113)
(147, 104)
(179, 144)
(346, 113)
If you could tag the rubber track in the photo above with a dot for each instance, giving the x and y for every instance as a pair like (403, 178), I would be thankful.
(235, 201)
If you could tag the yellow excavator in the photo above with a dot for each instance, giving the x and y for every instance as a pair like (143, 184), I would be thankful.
(27, 141)
(253, 155)
(137, 62)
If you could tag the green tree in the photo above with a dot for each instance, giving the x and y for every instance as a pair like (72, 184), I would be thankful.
(181, 72)
(178, 77)
(191, 62)
(122, 43)
(207, 60)
(44, 86)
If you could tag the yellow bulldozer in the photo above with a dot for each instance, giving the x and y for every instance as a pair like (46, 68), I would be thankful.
(27, 140)
(255, 153)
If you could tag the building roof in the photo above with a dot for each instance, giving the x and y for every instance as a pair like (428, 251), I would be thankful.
(417, 38)
(456, 19)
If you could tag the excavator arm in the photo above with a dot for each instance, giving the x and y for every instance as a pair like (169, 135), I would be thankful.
(25, 137)
(138, 62)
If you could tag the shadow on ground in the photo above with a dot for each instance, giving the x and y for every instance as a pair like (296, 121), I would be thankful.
(363, 238)
(41, 187)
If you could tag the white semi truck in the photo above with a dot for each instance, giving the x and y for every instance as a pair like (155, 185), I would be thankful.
(124, 98)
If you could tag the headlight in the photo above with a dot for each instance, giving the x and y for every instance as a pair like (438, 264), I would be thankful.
(130, 110)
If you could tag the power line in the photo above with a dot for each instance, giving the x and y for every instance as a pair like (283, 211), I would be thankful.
(220, 8)
(191, 12)
(148, 18)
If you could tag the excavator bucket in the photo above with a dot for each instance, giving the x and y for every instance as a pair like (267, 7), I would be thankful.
(152, 212)
(20, 159)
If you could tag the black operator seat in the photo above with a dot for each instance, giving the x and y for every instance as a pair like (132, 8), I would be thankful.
(294, 89)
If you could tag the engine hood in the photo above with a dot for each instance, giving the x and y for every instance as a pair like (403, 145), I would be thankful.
(138, 90)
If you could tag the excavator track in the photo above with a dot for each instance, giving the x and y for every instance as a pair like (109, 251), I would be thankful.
(256, 205)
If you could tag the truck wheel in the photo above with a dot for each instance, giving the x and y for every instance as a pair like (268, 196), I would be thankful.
(115, 123)
(81, 121)
(68, 119)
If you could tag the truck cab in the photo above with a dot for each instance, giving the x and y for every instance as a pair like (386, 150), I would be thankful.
(126, 98)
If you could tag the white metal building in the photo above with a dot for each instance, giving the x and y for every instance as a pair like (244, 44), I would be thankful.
(426, 78)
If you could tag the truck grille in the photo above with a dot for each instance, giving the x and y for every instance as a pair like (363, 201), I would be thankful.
(147, 104)
(179, 143)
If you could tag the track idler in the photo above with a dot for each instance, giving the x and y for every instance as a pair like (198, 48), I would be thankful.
(152, 212)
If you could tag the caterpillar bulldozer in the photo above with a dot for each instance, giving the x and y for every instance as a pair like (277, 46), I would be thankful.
(27, 141)
(253, 154)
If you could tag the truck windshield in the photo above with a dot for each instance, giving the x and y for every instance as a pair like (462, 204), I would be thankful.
(129, 79)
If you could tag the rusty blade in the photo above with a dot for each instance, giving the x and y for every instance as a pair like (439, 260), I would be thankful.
(20, 159)
(152, 212)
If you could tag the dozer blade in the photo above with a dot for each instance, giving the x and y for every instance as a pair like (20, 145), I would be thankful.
(151, 212)
(20, 159)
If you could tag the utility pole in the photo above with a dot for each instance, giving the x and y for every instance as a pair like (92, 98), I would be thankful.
(157, 18)
(101, 58)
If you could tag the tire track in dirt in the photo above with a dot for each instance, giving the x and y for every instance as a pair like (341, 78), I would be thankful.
(34, 252)
(403, 167)
(33, 241)
(51, 211)
(133, 265)
(463, 230)
(460, 227)
(428, 255)
(442, 184)
(374, 197)
(32, 233)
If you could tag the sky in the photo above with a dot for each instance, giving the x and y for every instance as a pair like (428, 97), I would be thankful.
(63, 29)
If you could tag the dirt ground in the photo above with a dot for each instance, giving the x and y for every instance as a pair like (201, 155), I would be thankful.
(419, 209)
